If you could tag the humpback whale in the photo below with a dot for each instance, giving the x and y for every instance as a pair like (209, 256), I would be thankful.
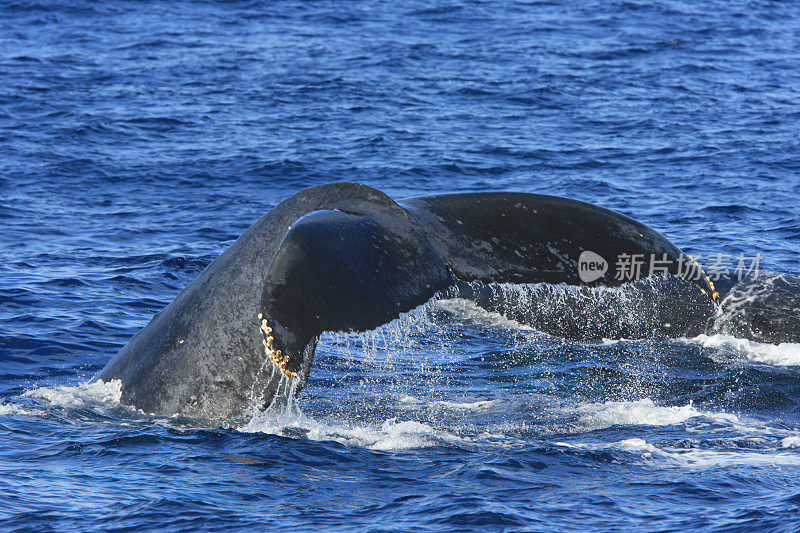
(347, 257)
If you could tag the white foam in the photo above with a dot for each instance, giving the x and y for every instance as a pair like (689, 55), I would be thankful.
(394, 435)
(641, 413)
(704, 459)
(790, 442)
(12, 409)
(784, 354)
(634, 445)
(410, 400)
(96, 392)
(691, 458)
(390, 435)
(466, 406)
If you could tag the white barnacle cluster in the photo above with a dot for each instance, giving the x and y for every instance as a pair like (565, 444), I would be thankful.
(276, 356)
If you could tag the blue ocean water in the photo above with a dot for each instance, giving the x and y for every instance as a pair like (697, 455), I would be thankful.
(139, 139)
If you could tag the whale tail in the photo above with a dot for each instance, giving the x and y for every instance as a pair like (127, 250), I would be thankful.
(346, 257)
(534, 238)
(354, 270)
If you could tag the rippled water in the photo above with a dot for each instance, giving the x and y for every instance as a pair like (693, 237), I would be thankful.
(138, 140)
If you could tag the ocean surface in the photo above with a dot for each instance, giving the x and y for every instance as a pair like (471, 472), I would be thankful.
(139, 139)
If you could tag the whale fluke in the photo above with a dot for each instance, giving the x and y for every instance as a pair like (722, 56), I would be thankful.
(344, 271)
(346, 257)
(535, 238)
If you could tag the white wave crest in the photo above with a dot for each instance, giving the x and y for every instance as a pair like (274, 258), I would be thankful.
(96, 392)
(641, 413)
(465, 406)
(13, 409)
(784, 354)
(391, 435)
(691, 458)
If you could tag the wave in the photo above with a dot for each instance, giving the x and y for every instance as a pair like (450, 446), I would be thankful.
(782, 354)
(643, 412)
(391, 435)
(700, 459)
(69, 396)
(697, 439)
(13, 409)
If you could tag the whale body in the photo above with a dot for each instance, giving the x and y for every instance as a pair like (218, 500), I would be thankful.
(346, 257)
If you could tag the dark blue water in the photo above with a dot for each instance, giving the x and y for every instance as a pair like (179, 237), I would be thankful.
(138, 140)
